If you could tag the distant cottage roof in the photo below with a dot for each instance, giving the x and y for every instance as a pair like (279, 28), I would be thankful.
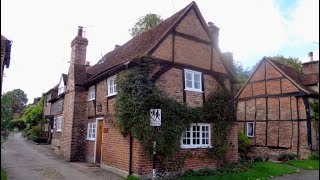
(141, 44)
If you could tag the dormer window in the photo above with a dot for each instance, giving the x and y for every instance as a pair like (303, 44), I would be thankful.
(112, 86)
(61, 87)
(92, 93)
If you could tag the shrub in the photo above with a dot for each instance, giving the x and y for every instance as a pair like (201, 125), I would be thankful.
(241, 166)
(314, 156)
(243, 144)
(37, 139)
(17, 123)
(36, 131)
(287, 156)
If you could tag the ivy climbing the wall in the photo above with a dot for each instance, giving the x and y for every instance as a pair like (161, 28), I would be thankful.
(137, 94)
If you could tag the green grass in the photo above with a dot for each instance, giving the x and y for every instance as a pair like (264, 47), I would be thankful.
(260, 170)
(305, 164)
(3, 175)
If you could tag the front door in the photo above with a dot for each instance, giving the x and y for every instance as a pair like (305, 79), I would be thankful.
(99, 140)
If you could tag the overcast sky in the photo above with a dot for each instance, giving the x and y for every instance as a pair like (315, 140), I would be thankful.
(42, 30)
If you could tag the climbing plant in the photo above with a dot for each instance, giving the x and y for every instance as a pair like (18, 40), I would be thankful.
(137, 94)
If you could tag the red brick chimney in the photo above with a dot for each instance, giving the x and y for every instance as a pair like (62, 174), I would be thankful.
(214, 30)
(75, 102)
(79, 48)
(311, 67)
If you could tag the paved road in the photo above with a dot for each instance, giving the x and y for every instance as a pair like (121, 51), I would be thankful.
(302, 175)
(23, 160)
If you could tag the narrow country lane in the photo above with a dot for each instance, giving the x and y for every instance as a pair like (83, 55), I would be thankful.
(25, 161)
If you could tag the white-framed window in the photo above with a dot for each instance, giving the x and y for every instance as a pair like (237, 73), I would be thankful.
(197, 136)
(91, 135)
(112, 85)
(48, 97)
(59, 123)
(54, 122)
(91, 93)
(192, 80)
(250, 129)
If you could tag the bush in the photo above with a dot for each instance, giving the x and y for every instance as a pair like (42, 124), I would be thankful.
(241, 166)
(314, 156)
(36, 131)
(287, 156)
(17, 123)
(37, 139)
(244, 144)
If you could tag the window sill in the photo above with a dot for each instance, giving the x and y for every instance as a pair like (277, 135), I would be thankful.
(90, 100)
(250, 136)
(58, 131)
(194, 90)
(195, 147)
(90, 139)
(111, 95)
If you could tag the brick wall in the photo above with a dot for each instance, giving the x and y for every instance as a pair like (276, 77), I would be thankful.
(276, 117)
(310, 67)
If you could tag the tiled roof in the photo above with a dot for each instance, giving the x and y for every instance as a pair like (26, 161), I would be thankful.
(138, 46)
(309, 79)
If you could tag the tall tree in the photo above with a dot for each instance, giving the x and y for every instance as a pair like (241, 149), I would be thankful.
(294, 63)
(12, 102)
(144, 23)
(241, 74)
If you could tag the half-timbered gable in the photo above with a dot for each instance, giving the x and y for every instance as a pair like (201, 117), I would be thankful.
(272, 109)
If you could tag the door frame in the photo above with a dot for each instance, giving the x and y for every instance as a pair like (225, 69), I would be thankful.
(95, 143)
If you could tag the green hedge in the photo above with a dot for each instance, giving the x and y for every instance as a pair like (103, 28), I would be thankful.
(37, 139)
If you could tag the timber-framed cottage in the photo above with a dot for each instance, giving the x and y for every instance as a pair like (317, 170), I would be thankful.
(184, 47)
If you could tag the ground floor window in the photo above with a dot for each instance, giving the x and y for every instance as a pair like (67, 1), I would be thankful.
(59, 123)
(197, 136)
(91, 131)
(250, 129)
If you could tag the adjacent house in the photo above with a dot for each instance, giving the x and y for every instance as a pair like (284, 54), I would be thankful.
(5, 55)
(53, 108)
(273, 108)
(183, 47)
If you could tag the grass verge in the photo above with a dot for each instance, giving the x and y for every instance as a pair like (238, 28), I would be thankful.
(3, 175)
(305, 164)
(259, 170)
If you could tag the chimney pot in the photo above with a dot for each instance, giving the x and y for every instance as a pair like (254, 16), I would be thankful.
(116, 46)
(80, 30)
(214, 30)
(310, 54)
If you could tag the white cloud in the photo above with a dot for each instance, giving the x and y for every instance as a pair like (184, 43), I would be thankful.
(303, 26)
(42, 31)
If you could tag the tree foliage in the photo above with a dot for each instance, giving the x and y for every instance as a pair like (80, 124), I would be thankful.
(144, 23)
(294, 63)
(12, 102)
(33, 114)
(241, 74)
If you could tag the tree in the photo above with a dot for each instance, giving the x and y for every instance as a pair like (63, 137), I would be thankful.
(144, 23)
(241, 74)
(33, 114)
(12, 102)
(294, 63)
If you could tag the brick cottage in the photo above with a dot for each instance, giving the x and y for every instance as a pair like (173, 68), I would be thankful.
(183, 47)
(273, 108)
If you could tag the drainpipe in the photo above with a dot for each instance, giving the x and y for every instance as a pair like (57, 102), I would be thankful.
(131, 138)
(130, 155)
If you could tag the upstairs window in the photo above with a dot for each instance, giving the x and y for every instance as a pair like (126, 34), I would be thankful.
(48, 97)
(112, 86)
(197, 136)
(91, 135)
(192, 80)
(61, 90)
(91, 93)
(250, 129)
